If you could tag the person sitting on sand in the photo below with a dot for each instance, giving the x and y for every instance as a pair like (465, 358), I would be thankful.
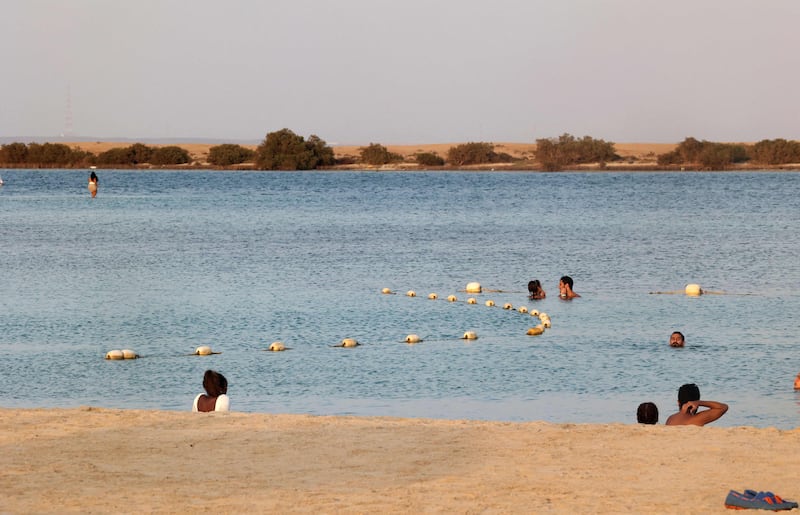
(676, 339)
(535, 290)
(215, 398)
(647, 413)
(688, 404)
(565, 288)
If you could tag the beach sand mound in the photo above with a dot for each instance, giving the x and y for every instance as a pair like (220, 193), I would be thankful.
(126, 461)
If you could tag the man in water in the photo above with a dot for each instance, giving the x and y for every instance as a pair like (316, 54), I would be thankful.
(565, 288)
(688, 404)
(676, 339)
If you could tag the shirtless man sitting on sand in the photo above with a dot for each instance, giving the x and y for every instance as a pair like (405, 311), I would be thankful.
(688, 404)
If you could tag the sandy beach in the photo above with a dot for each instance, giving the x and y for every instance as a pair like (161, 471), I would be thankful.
(92, 460)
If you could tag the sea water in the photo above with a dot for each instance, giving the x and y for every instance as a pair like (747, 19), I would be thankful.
(162, 262)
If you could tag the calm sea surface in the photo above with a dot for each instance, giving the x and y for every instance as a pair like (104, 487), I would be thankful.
(162, 262)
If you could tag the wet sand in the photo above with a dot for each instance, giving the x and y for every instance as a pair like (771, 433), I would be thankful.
(133, 461)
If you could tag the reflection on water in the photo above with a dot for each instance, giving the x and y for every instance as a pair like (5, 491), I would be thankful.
(162, 262)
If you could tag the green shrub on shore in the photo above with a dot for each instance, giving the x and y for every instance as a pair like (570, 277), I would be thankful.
(775, 152)
(170, 155)
(473, 153)
(285, 150)
(376, 154)
(556, 153)
(705, 154)
(229, 154)
(429, 159)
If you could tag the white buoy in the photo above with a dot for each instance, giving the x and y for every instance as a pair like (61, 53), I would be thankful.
(546, 323)
(470, 335)
(474, 288)
(276, 346)
(693, 290)
(508, 305)
(452, 298)
(203, 350)
(411, 293)
(544, 316)
(471, 300)
(129, 354)
(535, 331)
(115, 354)
(386, 291)
(412, 338)
(489, 303)
(433, 296)
(534, 312)
(350, 342)
(522, 309)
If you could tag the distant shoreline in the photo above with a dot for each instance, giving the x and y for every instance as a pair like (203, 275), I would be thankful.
(635, 157)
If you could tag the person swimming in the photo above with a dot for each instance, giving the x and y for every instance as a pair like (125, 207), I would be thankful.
(535, 290)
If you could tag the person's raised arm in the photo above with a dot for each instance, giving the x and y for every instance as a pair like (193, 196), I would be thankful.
(715, 410)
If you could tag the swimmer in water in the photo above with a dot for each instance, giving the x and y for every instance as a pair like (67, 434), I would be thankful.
(565, 288)
(535, 290)
(676, 339)
(93, 184)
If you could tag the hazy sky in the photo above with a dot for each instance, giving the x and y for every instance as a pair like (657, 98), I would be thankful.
(402, 71)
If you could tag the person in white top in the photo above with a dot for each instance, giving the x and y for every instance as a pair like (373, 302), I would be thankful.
(216, 396)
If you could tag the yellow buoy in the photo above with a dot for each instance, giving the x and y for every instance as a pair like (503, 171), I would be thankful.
(452, 298)
(522, 309)
(535, 331)
(471, 301)
(386, 291)
(474, 288)
(693, 290)
(129, 354)
(412, 338)
(411, 293)
(470, 335)
(433, 296)
(489, 303)
(115, 354)
(508, 305)
(203, 350)
(276, 346)
(349, 342)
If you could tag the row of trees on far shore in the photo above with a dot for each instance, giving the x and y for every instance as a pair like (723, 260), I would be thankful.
(285, 150)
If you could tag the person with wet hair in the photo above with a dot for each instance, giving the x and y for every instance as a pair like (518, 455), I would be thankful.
(535, 290)
(647, 413)
(565, 288)
(689, 403)
(216, 396)
(676, 339)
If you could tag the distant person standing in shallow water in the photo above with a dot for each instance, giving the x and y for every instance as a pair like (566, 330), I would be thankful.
(535, 290)
(565, 288)
(93, 184)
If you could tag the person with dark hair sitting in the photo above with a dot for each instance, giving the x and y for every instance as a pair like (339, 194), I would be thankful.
(688, 405)
(647, 413)
(216, 396)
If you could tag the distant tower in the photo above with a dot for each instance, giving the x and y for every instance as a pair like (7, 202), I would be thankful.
(68, 116)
